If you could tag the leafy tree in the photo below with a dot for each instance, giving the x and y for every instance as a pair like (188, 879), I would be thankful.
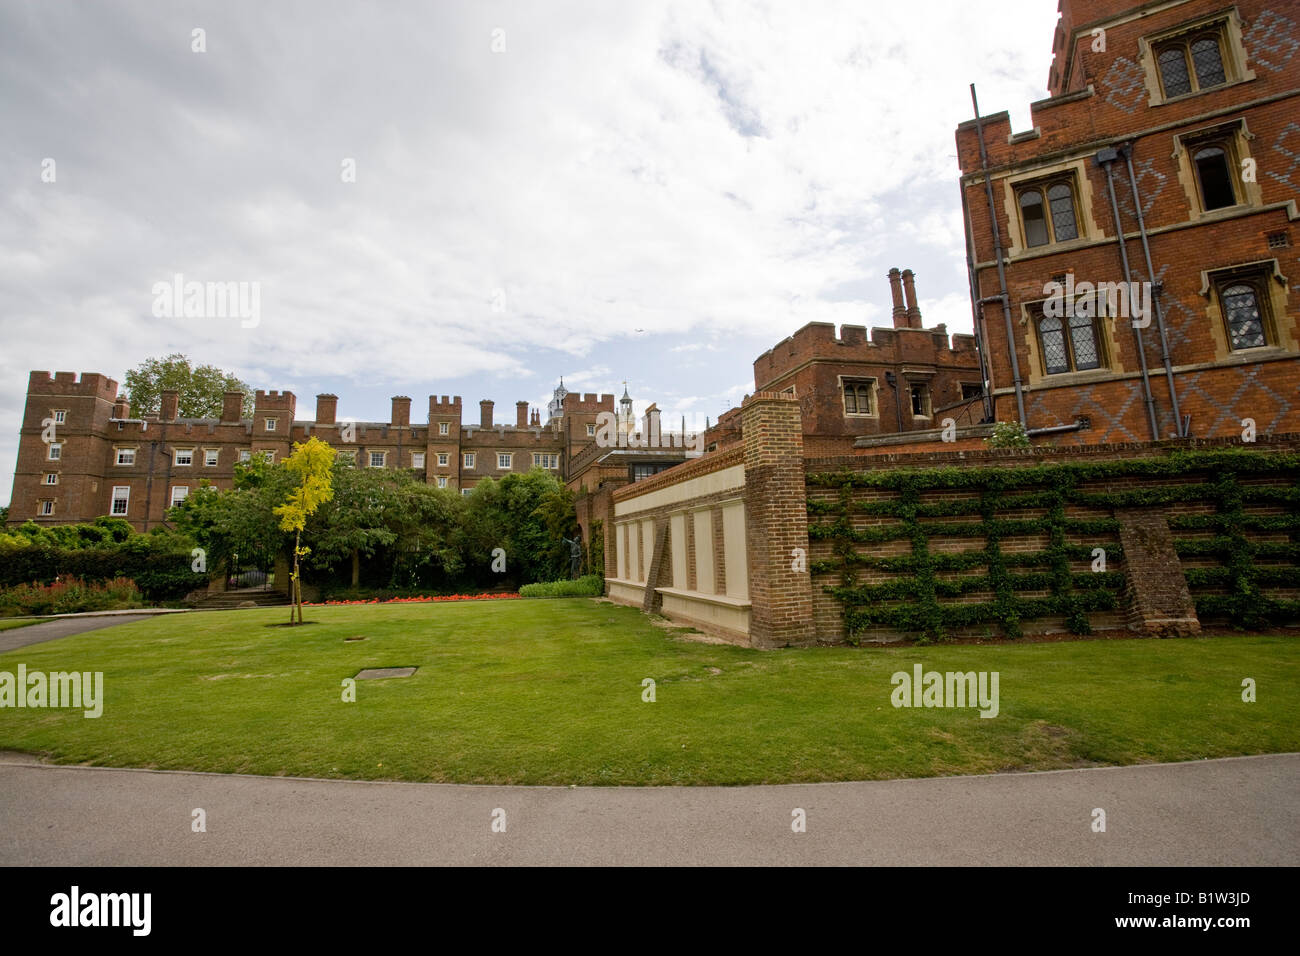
(4, 515)
(427, 533)
(355, 522)
(513, 514)
(238, 522)
(310, 464)
(201, 389)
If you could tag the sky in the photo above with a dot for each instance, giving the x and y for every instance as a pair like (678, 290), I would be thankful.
(477, 198)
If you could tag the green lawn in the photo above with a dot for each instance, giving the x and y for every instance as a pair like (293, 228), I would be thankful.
(549, 692)
(8, 624)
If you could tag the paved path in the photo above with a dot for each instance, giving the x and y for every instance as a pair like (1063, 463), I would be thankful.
(1217, 812)
(61, 627)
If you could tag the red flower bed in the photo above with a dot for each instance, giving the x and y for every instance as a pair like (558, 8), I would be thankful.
(420, 599)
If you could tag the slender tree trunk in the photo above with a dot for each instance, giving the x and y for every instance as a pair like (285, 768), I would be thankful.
(295, 606)
(356, 568)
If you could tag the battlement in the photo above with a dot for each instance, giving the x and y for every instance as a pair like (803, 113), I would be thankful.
(89, 384)
(274, 399)
(817, 341)
(588, 402)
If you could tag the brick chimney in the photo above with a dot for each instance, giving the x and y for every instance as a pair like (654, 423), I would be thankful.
(521, 414)
(913, 310)
(232, 407)
(327, 409)
(652, 425)
(896, 290)
(121, 407)
(401, 410)
(485, 413)
(170, 402)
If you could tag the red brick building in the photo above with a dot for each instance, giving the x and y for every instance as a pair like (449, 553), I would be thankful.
(1168, 154)
(891, 386)
(82, 455)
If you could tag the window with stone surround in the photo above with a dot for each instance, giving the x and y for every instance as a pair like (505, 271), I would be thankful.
(125, 456)
(121, 500)
(51, 478)
(417, 459)
(469, 459)
(56, 451)
(1069, 343)
(47, 507)
(1048, 211)
(377, 459)
(503, 461)
(182, 457)
(1244, 304)
(1194, 57)
(859, 396)
(919, 396)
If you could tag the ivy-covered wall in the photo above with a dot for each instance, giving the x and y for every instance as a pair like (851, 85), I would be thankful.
(928, 553)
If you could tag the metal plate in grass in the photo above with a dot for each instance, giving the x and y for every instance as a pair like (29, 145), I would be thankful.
(379, 673)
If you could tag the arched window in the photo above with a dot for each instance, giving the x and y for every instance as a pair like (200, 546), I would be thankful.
(1034, 218)
(1192, 64)
(1083, 338)
(1048, 212)
(1214, 173)
(1173, 71)
(1064, 223)
(1243, 315)
(1055, 356)
(857, 396)
(1208, 61)
(1069, 345)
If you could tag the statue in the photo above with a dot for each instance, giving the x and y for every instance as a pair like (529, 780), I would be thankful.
(575, 556)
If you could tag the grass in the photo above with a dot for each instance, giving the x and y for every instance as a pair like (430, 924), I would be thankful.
(10, 624)
(522, 692)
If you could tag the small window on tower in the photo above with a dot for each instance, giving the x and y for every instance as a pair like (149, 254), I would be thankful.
(859, 396)
(920, 401)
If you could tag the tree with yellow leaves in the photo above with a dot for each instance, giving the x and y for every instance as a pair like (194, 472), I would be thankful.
(311, 463)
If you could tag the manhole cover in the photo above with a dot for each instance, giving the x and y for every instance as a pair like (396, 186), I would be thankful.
(379, 673)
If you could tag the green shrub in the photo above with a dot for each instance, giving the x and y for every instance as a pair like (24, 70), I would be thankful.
(591, 585)
(1008, 435)
(69, 596)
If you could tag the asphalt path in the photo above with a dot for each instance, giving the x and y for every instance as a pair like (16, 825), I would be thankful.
(1239, 811)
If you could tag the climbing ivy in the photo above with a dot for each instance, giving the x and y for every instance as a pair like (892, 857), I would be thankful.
(1046, 583)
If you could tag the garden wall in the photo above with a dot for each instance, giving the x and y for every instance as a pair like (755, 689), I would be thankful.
(999, 543)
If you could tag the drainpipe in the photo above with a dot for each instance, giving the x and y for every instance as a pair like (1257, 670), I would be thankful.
(1182, 425)
(892, 381)
(997, 254)
(1105, 158)
(977, 314)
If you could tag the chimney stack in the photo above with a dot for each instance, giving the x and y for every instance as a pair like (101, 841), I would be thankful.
(327, 407)
(652, 432)
(485, 413)
(232, 407)
(896, 290)
(121, 407)
(401, 410)
(913, 310)
(170, 402)
(521, 414)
